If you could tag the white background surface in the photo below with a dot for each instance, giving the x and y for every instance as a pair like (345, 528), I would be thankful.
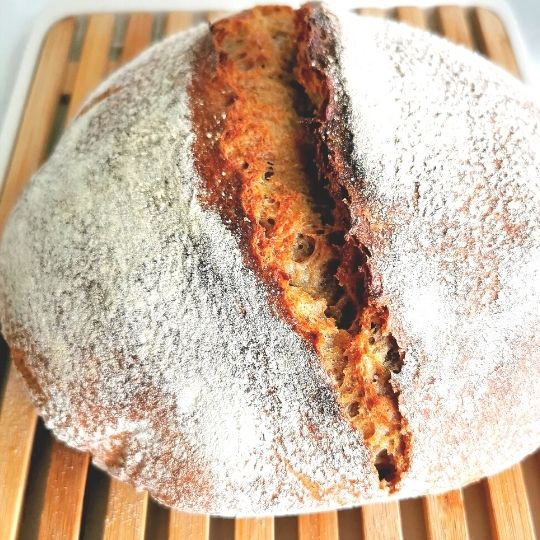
(18, 16)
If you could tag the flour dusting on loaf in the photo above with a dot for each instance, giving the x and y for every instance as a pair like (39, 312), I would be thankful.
(146, 339)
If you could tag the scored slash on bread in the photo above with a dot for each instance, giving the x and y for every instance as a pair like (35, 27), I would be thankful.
(270, 118)
(243, 206)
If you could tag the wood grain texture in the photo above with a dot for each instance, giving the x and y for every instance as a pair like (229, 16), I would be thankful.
(318, 526)
(494, 40)
(126, 512)
(94, 58)
(509, 508)
(64, 493)
(372, 12)
(193, 526)
(412, 16)
(138, 35)
(445, 516)
(453, 25)
(178, 21)
(17, 428)
(254, 529)
(382, 521)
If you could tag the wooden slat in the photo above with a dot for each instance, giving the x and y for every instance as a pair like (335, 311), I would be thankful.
(382, 521)
(68, 469)
(454, 26)
(138, 35)
(494, 40)
(254, 529)
(414, 16)
(445, 516)
(372, 12)
(17, 416)
(192, 526)
(17, 429)
(126, 512)
(66, 478)
(94, 59)
(177, 21)
(509, 508)
(315, 526)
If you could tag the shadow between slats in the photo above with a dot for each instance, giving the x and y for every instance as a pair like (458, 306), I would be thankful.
(95, 504)
(221, 528)
(531, 476)
(4, 368)
(286, 528)
(157, 522)
(34, 495)
(413, 523)
(476, 511)
(349, 524)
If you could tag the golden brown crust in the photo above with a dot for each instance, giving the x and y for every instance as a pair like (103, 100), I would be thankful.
(256, 146)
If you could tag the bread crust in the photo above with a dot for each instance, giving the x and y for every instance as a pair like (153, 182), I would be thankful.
(144, 336)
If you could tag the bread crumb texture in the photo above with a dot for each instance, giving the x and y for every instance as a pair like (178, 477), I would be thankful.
(134, 302)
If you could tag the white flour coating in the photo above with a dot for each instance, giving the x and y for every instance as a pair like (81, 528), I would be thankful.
(449, 148)
(155, 348)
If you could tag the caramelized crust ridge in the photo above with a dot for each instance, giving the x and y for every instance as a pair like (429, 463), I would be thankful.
(272, 149)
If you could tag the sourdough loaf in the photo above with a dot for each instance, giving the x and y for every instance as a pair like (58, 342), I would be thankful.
(287, 263)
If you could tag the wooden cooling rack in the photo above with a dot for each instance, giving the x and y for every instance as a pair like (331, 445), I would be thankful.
(50, 491)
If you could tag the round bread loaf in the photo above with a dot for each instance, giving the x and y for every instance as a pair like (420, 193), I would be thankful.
(285, 264)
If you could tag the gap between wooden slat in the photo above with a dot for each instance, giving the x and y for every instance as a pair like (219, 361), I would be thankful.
(17, 416)
(315, 526)
(413, 522)
(126, 512)
(476, 510)
(382, 521)
(494, 40)
(530, 468)
(68, 469)
(509, 508)
(254, 529)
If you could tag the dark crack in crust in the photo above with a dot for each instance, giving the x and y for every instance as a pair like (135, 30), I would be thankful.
(282, 180)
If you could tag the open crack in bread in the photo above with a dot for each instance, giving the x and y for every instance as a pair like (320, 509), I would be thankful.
(286, 263)
(272, 122)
